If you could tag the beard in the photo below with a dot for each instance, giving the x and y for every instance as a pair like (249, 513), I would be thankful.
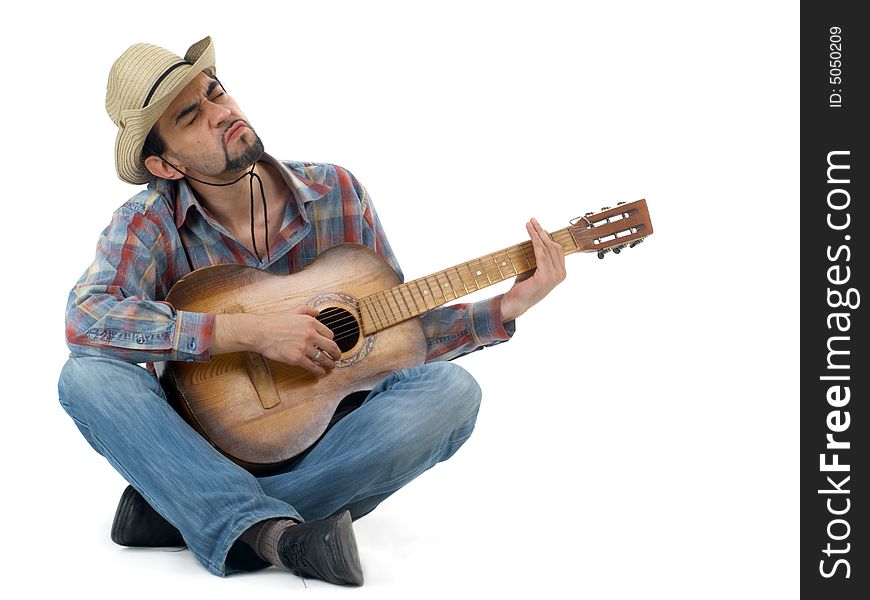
(221, 163)
(247, 157)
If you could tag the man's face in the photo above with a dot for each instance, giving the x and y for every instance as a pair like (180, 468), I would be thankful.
(205, 130)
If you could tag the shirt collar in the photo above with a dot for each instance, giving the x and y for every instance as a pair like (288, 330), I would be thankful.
(303, 190)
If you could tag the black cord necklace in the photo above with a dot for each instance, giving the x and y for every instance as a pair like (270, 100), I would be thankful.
(251, 175)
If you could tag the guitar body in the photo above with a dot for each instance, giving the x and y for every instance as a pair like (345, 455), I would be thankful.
(261, 413)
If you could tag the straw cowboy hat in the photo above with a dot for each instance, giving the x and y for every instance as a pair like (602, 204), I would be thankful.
(143, 82)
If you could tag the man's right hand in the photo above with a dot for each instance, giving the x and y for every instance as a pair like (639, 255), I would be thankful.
(293, 337)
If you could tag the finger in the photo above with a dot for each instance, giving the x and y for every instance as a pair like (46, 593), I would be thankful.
(552, 245)
(323, 359)
(328, 347)
(557, 253)
(304, 309)
(543, 254)
(535, 235)
(323, 330)
(554, 248)
(312, 367)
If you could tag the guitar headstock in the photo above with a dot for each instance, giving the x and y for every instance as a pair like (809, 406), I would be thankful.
(625, 225)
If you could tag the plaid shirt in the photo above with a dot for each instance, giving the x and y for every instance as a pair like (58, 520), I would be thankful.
(117, 310)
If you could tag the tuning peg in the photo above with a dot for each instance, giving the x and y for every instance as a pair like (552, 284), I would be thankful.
(635, 243)
(617, 250)
(601, 253)
(589, 214)
(603, 208)
(619, 203)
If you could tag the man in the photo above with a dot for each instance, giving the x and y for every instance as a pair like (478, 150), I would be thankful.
(179, 130)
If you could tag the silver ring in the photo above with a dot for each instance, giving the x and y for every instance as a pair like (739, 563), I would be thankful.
(317, 356)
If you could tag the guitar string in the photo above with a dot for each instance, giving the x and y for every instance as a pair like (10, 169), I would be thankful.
(408, 312)
(405, 311)
(345, 326)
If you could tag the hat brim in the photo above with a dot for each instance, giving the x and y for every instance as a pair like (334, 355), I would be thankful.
(134, 125)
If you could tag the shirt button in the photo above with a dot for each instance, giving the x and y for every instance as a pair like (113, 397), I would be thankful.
(192, 345)
(140, 339)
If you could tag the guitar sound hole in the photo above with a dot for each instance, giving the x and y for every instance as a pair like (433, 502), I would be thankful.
(343, 325)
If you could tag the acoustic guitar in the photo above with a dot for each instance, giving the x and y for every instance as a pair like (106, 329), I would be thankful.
(261, 413)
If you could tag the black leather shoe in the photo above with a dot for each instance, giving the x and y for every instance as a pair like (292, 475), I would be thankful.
(137, 524)
(324, 549)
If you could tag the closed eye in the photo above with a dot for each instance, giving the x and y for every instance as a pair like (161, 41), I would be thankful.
(196, 114)
(197, 106)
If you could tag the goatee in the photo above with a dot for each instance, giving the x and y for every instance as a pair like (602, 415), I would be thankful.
(249, 156)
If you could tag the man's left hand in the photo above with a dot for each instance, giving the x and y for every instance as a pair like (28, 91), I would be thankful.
(531, 287)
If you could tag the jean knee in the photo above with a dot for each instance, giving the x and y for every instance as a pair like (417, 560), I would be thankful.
(460, 393)
(72, 389)
(88, 383)
(72, 383)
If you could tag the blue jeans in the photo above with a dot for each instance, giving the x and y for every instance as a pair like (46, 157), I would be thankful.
(411, 421)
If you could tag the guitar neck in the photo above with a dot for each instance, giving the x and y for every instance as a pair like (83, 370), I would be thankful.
(412, 299)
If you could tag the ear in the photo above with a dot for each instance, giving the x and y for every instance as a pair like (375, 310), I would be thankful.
(160, 168)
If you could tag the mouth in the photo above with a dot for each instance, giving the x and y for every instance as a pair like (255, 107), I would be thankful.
(235, 130)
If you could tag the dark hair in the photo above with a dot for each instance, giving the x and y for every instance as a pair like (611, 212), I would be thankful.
(154, 144)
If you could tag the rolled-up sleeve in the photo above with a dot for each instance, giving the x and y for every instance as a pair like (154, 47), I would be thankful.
(455, 330)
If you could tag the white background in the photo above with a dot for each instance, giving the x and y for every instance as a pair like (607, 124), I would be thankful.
(639, 435)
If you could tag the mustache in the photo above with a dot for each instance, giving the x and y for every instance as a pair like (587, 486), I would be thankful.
(231, 125)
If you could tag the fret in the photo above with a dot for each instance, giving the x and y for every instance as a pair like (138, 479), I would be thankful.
(427, 293)
(437, 287)
(375, 314)
(450, 283)
(364, 314)
(525, 257)
(462, 281)
(399, 302)
(479, 271)
(483, 268)
(522, 255)
(500, 274)
(400, 299)
(444, 286)
(513, 266)
(571, 238)
(423, 296)
(471, 272)
(472, 276)
(568, 245)
(405, 289)
(395, 315)
(380, 299)
(387, 297)
(418, 294)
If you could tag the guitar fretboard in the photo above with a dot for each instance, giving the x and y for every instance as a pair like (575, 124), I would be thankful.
(412, 299)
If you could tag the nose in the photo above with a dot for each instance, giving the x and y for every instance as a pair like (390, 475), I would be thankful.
(217, 113)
